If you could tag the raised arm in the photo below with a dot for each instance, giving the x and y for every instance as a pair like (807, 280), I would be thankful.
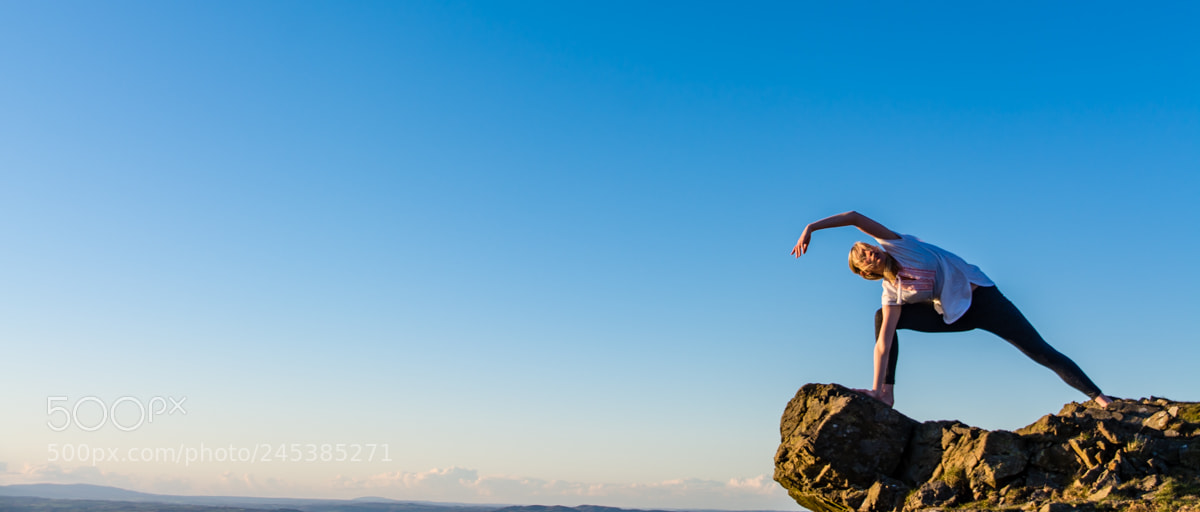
(850, 218)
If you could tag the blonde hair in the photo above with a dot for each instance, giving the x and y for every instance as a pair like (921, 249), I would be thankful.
(891, 266)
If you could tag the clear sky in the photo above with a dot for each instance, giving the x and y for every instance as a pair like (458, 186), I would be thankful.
(537, 252)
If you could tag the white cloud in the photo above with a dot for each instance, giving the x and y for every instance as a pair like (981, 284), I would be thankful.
(246, 484)
(460, 484)
(435, 482)
(760, 484)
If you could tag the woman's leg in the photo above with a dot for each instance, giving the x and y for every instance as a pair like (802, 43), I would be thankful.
(993, 312)
(914, 317)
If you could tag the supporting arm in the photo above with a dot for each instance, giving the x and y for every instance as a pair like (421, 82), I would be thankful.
(883, 351)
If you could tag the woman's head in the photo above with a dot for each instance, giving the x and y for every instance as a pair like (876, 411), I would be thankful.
(872, 262)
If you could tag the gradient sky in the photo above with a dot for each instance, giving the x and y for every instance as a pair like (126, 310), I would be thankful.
(540, 249)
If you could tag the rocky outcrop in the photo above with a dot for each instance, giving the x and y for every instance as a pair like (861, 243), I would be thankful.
(841, 451)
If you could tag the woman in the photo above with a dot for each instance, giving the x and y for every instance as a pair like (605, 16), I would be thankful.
(928, 289)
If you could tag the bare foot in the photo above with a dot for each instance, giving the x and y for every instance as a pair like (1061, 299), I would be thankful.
(887, 399)
(1103, 401)
(883, 396)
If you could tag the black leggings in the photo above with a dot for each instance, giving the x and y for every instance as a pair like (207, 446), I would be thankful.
(991, 311)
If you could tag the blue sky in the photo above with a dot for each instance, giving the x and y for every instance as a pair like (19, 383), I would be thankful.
(540, 249)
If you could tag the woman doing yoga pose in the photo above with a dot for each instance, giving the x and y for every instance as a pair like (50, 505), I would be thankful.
(929, 289)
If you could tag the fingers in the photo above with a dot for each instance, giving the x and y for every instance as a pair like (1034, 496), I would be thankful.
(802, 243)
(799, 249)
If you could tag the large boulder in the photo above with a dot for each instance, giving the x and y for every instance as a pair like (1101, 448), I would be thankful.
(841, 451)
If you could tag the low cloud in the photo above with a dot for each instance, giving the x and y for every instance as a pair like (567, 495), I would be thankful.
(438, 483)
(246, 484)
(454, 484)
(460, 484)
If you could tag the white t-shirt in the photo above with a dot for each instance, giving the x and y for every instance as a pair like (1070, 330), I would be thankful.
(930, 273)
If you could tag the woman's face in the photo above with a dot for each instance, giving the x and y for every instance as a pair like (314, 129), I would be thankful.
(870, 259)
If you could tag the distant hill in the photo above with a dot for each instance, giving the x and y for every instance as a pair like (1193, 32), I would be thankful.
(99, 493)
(74, 491)
(98, 498)
(28, 504)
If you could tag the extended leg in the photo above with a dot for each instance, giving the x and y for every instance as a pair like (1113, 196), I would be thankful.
(1006, 321)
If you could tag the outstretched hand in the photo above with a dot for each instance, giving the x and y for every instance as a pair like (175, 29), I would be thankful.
(802, 244)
